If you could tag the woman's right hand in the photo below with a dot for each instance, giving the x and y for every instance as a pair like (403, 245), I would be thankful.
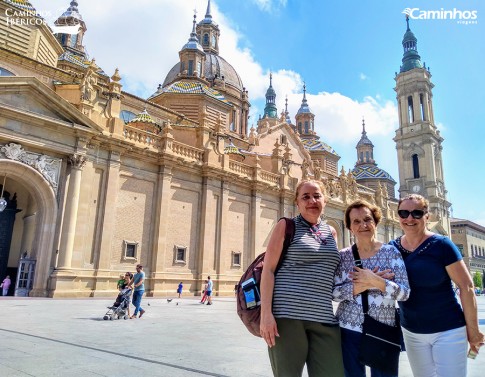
(268, 329)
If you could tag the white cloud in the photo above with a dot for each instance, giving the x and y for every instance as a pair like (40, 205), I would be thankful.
(144, 45)
(362, 76)
(268, 5)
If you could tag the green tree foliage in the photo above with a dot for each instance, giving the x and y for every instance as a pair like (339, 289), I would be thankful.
(477, 279)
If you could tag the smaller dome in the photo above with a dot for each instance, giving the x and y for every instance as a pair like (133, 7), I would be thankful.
(72, 12)
(143, 117)
(364, 140)
(193, 42)
(370, 171)
(304, 108)
(313, 144)
(231, 149)
(409, 36)
(23, 4)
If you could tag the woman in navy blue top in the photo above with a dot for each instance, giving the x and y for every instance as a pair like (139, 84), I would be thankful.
(437, 330)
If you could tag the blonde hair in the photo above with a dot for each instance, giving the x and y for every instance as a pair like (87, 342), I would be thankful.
(301, 183)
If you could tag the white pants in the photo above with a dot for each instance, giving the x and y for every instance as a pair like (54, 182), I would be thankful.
(441, 354)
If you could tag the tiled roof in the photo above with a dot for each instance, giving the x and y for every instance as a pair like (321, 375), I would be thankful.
(194, 87)
(143, 117)
(23, 4)
(317, 145)
(75, 59)
(78, 60)
(370, 171)
(232, 149)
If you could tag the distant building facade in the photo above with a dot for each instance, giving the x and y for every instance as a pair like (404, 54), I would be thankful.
(469, 237)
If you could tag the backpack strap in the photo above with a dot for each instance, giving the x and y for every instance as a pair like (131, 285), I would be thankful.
(289, 234)
(358, 263)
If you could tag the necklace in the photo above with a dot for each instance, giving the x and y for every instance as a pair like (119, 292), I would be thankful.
(420, 241)
(318, 234)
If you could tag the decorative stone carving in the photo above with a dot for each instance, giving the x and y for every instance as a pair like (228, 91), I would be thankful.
(49, 167)
(77, 161)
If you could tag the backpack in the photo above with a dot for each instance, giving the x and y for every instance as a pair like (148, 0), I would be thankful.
(248, 299)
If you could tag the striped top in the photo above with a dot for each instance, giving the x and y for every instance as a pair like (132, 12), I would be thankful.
(304, 282)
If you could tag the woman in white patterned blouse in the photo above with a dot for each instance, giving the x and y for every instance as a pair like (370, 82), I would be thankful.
(383, 275)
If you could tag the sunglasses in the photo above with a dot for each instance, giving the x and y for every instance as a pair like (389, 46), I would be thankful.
(415, 213)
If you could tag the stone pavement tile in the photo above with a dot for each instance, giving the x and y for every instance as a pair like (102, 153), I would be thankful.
(50, 337)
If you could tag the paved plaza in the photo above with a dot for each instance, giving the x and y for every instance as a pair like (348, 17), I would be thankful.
(68, 337)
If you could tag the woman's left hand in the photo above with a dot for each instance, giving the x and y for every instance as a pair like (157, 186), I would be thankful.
(364, 279)
(476, 340)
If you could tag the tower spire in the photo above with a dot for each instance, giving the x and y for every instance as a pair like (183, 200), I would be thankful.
(193, 42)
(208, 14)
(411, 58)
(270, 110)
(287, 114)
(365, 148)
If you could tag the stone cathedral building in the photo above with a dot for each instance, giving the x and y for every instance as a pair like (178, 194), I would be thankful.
(95, 180)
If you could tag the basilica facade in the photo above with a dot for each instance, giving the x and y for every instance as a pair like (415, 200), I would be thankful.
(96, 180)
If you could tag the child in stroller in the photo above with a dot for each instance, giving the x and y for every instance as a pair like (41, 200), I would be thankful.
(121, 307)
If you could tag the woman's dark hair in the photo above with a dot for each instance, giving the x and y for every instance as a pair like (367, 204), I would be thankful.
(375, 211)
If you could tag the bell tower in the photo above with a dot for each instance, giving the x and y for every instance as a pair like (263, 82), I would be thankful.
(418, 141)
(305, 119)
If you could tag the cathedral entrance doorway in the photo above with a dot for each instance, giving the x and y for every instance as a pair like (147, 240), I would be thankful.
(28, 225)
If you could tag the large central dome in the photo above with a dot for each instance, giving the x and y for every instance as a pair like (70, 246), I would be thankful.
(215, 67)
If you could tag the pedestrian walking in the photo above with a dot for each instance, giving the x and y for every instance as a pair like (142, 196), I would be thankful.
(180, 288)
(6, 285)
(139, 289)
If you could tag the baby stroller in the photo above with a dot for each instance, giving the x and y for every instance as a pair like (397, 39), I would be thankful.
(120, 307)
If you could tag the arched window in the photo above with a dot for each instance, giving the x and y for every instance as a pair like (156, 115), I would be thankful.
(299, 127)
(410, 109)
(415, 166)
(205, 40)
(126, 115)
(366, 156)
(421, 106)
(4, 72)
(306, 127)
(361, 156)
(191, 67)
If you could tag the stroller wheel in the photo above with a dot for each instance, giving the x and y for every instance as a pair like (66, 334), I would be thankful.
(111, 318)
(125, 317)
(105, 317)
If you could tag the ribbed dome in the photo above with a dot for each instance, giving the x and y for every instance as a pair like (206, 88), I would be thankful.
(215, 66)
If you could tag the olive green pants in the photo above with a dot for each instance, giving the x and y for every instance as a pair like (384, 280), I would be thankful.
(306, 342)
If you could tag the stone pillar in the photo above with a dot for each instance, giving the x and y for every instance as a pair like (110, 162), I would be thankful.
(77, 163)
(110, 197)
(346, 236)
(159, 240)
(28, 233)
(255, 245)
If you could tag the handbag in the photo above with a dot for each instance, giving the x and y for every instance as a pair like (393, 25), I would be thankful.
(380, 344)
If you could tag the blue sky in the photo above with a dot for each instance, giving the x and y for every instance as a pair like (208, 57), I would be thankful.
(346, 52)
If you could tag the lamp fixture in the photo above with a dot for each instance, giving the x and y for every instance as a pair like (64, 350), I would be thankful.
(3, 202)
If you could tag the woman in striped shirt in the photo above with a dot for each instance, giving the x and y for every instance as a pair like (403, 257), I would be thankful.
(297, 320)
